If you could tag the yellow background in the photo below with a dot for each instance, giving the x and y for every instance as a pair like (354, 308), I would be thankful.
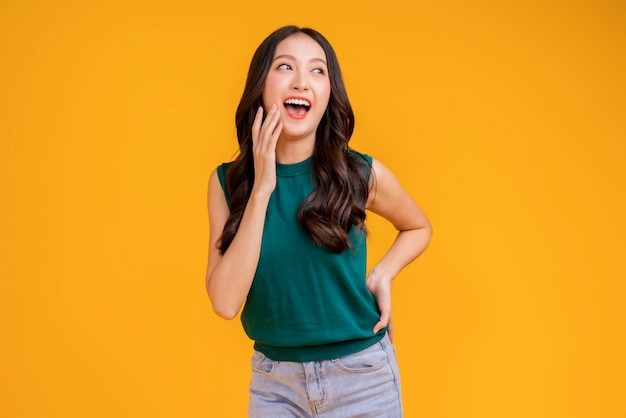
(505, 121)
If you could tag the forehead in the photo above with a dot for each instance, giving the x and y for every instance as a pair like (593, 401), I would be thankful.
(300, 45)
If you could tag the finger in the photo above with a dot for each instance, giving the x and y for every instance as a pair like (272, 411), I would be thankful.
(390, 330)
(384, 320)
(276, 135)
(269, 127)
(256, 125)
(272, 119)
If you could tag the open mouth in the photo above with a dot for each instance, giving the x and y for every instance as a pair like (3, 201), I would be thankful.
(297, 107)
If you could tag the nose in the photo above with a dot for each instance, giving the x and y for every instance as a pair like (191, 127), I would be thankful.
(300, 81)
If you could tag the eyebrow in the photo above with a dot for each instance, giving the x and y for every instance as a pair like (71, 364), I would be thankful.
(294, 58)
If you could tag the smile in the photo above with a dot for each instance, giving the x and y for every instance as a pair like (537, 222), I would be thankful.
(296, 107)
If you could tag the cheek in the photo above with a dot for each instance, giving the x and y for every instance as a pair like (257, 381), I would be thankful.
(325, 91)
(324, 98)
(265, 97)
(269, 91)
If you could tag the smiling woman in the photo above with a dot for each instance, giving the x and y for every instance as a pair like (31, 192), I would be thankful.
(288, 240)
(298, 80)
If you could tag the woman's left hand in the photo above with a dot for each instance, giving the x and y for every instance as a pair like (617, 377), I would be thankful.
(381, 289)
(389, 200)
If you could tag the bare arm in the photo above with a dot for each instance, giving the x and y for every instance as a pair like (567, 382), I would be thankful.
(389, 200)
(229, 275)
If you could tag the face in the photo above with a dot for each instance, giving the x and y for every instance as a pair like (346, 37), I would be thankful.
(299, 85)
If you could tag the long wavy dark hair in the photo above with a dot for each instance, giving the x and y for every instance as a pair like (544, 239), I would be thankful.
(338, 200)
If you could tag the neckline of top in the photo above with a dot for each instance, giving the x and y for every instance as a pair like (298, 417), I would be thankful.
(289, 170)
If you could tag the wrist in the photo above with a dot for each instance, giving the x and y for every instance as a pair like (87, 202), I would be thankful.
(260, 194)
(377, 274)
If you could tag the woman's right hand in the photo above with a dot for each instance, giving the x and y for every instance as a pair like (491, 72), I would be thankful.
(230, 275)
(264, 138)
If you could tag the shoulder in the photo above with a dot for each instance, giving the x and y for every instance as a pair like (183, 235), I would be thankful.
(356, 155)
(362, 161)
(219, 176)
(222, 169)
(382, 182)
(391, 201)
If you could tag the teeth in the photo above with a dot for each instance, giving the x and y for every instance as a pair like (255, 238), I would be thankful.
(299, 102)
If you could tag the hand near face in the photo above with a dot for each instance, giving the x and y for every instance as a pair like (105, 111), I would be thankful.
(264, 138)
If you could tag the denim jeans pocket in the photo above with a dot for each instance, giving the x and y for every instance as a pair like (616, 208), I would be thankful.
(370, 359)
(262, 364)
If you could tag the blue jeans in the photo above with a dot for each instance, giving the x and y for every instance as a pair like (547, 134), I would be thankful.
(364, 384)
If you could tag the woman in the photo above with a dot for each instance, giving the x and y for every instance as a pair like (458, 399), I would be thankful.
(288, 240)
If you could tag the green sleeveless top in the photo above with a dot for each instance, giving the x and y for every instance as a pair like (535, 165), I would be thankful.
(306, 303)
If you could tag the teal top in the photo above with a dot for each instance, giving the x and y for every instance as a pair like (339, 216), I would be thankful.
(306, 303)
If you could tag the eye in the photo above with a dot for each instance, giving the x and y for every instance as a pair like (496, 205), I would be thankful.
(318, 71)
(284, 67)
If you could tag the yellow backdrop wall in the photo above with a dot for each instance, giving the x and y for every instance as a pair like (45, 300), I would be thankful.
(504, 120)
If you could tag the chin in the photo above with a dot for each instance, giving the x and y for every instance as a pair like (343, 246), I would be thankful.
(294, 135)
